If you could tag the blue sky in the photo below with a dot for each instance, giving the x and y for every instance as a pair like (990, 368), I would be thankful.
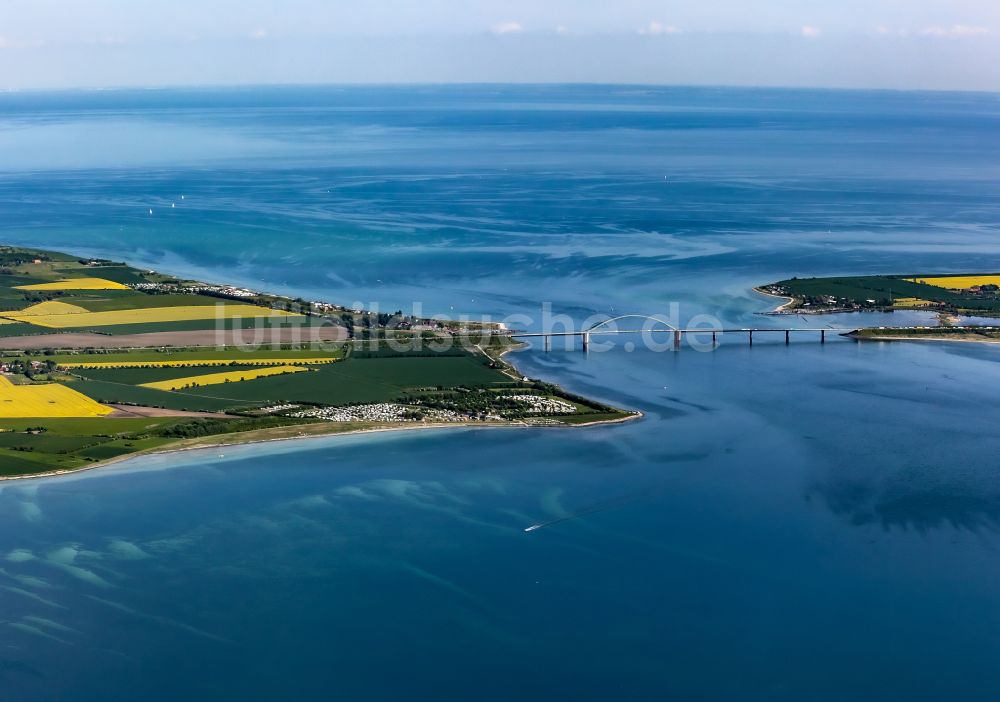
(940, 44)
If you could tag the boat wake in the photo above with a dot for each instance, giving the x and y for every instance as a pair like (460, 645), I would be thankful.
(593, 509)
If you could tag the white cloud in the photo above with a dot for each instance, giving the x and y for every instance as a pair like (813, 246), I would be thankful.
(507, 28)
(884, 31)
(561, 29)
(810, 32)
(259, 34)
(657, 28)
(957, 31)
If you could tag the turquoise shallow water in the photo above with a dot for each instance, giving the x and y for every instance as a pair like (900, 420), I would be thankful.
(802, 522)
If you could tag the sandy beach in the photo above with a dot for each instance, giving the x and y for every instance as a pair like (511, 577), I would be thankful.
(299, 432)
(305, 433)
(784, 307)
(968, 339)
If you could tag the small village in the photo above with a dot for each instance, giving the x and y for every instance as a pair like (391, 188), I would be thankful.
(397, 412)
(380, 412)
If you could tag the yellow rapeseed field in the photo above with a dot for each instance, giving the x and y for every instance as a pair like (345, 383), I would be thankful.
(50, 400)
(959, 282)
(76, 284)
(908, 302)
(182, 313)
(50, 307)
(217, 378)
(195, 362)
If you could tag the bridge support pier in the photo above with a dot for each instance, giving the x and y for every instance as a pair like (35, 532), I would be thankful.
(786, 337)
(751, 337)
(677, 339)
(586, 341)
(547, 342)
(822, 336)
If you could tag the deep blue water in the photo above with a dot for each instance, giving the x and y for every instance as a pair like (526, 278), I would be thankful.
(786, 523)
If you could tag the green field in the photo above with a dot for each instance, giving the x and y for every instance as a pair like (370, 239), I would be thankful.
(138, 376)
(589, 417)
(45, 442)
(362, 380)
(24, 463)
(11, 299)
(39, 445)
(458, 380)
(863, 288)
(168, 355)
(345, 382)
(119, 274)
(248, 323)
(21, 329)
(111, 392)
(879, 291)
(60, 444)
(108, 300)
(25, 267)
(86, 426)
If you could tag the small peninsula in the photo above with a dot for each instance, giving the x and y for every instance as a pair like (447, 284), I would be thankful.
(971, 294)
(100, 361)
(950, 296)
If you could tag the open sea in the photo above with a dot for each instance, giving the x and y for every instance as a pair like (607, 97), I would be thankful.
(802, 522)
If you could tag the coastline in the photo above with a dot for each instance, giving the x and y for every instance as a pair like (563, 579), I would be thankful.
(609, 414)
(328, 430)
(953, 339)
(780, 309)
(299, 432)
(315, 431)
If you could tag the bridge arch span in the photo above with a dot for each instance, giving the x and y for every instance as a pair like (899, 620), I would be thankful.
(646, 317)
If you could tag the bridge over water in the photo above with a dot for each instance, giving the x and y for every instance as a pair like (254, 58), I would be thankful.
(660, 326)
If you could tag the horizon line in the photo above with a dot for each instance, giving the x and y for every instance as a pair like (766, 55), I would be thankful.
(493, 84)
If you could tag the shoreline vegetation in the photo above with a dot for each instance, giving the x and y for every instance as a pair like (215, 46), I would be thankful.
(965, 294)
(319, 431)
(974, 335)
(72, 325)
(947, 296)
(788, 301)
